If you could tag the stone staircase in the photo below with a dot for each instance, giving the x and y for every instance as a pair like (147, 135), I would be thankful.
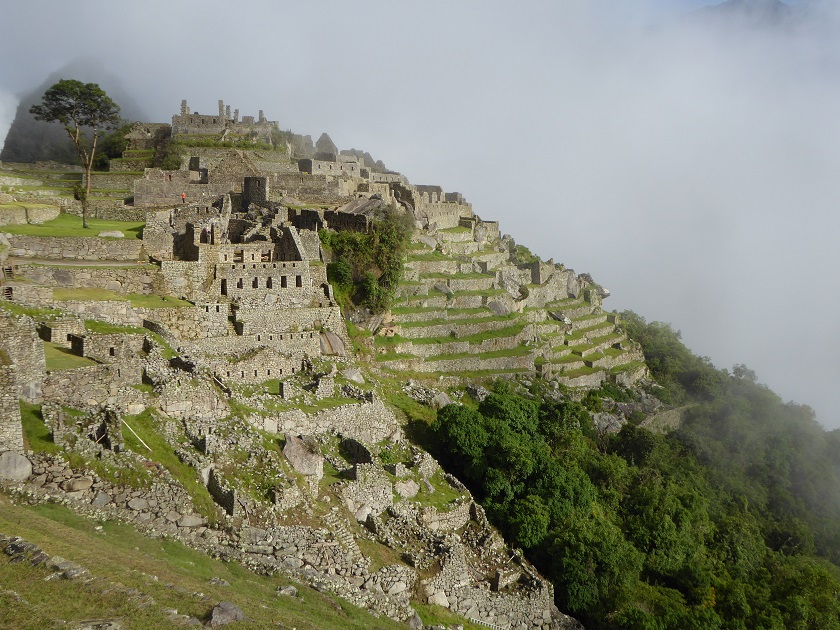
(339, 529)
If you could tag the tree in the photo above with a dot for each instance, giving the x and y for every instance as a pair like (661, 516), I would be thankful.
(79, 107)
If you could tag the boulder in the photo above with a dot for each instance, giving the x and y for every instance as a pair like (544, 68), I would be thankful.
(225, 613)
(288, 591)
(331, 344)
(111, 234)
(407, 489)
(191, 520)
(301, 457)
(439, 599)
(440, 400)
(353, 374)
(498, 308)
(14, 467)
(444, 288)
(77, 485)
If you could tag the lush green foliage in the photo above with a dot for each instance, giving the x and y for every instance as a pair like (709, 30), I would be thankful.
(732, 521)
(368, 265)
(79, 107)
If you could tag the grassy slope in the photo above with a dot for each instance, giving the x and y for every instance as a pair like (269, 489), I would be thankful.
(70, 225)
(168, 572)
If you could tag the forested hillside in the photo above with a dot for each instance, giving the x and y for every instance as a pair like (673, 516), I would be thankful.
(729, 521)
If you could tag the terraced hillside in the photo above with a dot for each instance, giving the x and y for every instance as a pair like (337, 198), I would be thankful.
(466, 308)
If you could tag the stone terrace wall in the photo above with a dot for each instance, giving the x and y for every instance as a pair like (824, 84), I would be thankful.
(367, 422)
(144, 280)
(90, 387)
(11, 431)
(20, 215)
(200, 322)
(19, 339)
(314, 188)
(107, 348)
(81, 248)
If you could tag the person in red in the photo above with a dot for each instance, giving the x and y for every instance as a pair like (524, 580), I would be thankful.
(183, 197)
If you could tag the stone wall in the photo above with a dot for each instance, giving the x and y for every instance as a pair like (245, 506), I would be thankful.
(58, 331)
(198, 322)
(446, 521)
(21, 215)
(314, 188)
(25, 350)
(90, 387)
(75, 248)
(142, 279)
(107, 348)
(368, 422)
(11, 431)
(224, 495)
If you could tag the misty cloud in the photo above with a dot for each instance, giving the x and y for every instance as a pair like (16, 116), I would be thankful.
(690, 166)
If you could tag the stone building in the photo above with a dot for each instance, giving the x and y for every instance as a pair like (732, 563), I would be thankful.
(223, 124)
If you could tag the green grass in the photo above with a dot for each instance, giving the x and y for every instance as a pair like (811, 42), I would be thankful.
(443, 496)
(584, 371)
(147, 427)
(95, 326)
(70, 225)
(520, 351)
(138, 300)
(59, 358)
(457, 276)
(626, 367)
(464, 320)
(510, 331)
(39, 314)
(37, 436)
(173, 575)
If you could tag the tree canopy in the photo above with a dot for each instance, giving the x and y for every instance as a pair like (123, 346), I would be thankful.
(80, 108)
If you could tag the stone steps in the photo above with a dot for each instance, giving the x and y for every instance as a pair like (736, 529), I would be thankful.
(342, 535)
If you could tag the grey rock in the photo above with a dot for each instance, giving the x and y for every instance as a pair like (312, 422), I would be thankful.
(217, 581)
(111, 234)
(101, 499)
(302, 459)
(76, 485)
(397, 587)
(225, 613)
(439, 599)
(353, 374)
(292, 563)
(191, 520)
(14, 467)
(498, 308)
(443, 288)
(138, 504)
(407, 489)
(477, 392)
(415, 623)
(440, 400)
(289, 591)
(363, 512)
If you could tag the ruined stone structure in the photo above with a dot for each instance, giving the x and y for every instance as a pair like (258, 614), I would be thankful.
(253, 355)
(222, 124)
(11, 432)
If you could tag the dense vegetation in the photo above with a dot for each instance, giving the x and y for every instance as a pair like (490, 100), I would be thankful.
(367, 266)
(730, 521)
